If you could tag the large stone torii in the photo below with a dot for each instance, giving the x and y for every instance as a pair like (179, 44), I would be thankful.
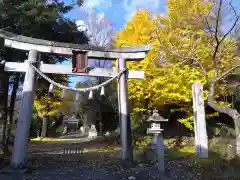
(36, 46)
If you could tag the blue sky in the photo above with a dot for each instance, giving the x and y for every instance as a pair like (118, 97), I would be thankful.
(117, 12)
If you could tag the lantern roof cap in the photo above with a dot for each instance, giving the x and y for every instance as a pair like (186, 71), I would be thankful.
(155, 117)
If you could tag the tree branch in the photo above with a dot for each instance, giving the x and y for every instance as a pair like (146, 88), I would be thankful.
(230, 30)
(226, 73)
(202, 69)
(217, 21)
(214, 57)
(209, 27)
(220, 108)
(216, 37)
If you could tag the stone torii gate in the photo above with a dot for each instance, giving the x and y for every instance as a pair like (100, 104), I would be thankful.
(79, 67)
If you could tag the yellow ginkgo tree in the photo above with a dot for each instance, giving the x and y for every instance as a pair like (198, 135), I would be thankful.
(47, 107)
(191, 34)
(165, 83)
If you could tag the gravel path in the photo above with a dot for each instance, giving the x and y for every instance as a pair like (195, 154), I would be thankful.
(46, 162)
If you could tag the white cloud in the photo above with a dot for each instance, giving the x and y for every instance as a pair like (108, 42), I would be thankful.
(128, 6)
(95, 4)
(81, 25)
(79, 22)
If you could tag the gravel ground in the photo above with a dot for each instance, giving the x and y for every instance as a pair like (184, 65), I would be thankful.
(182, 169)
(87, 173)
(46, 162)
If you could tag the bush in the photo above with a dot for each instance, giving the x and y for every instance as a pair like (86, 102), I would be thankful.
(134, 120)
(143, 142)
(59, 130)
(221, 130)
(224, 147)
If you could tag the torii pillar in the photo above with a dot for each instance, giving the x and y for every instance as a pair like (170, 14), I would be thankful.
(24, 120)
(125, 123)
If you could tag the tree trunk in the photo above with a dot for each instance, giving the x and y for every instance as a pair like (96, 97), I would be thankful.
(44, 127)
(12, 106)
(100, 80)
(233, 113)
(38, 133)
(237, 132)
(4, 82)
(100, 121)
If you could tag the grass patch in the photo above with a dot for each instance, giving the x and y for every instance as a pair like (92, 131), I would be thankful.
(54, 140)
(101, 150)
(173, 154)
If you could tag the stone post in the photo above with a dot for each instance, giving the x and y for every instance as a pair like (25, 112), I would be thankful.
(201, 139)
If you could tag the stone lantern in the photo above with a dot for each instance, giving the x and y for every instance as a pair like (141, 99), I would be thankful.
(157, 141)
(155, 121)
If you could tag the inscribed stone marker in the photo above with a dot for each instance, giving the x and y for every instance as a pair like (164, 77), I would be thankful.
(201, 139)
